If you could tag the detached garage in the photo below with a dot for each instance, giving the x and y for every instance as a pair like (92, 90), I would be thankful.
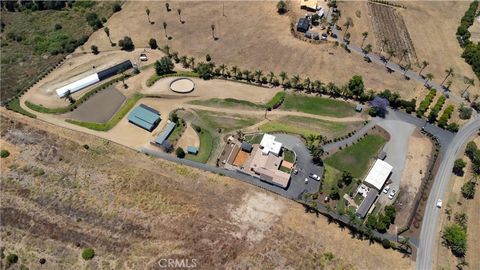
(378, 174)
(144, 117)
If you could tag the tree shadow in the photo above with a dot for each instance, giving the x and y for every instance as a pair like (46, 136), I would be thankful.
(152, 22)
(215, 38)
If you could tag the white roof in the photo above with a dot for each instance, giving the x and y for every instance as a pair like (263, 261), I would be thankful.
(270, 145)
(378, 174)
(78, 85)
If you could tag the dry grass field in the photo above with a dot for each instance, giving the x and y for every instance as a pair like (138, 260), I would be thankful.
(444, 258)
(135, 210)
(251, 35)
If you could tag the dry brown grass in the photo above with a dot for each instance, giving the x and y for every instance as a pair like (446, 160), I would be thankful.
(134, 210)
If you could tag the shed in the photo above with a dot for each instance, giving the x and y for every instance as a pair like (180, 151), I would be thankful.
(192, 150)
(358, 108)
(303, 25)
(247, 147)
(144, 117)
(165, 133)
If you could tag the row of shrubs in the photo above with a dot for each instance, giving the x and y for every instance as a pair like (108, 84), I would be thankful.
(463, 35)
(436, 109)
(447, 113)
(73, 106)
(425, 104)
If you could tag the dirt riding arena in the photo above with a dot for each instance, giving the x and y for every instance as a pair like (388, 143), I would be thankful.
(99, 108)
(189, 138)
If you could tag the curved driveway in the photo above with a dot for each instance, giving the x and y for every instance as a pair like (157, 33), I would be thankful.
(428, 235)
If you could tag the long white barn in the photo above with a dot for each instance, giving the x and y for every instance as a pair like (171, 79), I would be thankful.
(78, 85)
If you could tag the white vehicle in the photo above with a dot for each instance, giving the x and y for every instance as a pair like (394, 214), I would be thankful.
(392, 194)
(386, 189)
(143, 57)
(315, 177)
(439, 203)
(306, 181)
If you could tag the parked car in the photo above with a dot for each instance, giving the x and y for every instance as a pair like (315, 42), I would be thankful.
(392, 194)
(295, 171)
(324, 36)
(306, 181)
(314, 176)
(143, 57)
(386, 189)
(439, 203)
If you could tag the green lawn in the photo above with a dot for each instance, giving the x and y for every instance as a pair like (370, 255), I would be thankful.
(177, 131)
(14, 105)
(127, 106)
(276, 100)
(330, 178)
(226, 122)
(285, 169)
(356, 158)
(227, 103)
(305, 126)
(288, 155)
(358, 199)
(206, 147)
(254, 139)
(318, 105)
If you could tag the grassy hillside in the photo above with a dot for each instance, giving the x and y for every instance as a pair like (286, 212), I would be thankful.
(33, 41)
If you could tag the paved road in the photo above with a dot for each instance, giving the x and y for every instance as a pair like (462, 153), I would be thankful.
(390, 65)
(428, 235)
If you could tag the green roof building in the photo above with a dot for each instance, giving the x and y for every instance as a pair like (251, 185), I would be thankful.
(144, 117)
(165, 133)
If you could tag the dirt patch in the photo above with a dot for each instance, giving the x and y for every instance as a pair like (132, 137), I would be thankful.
(189, 138)
(419, 154)
(99, 108)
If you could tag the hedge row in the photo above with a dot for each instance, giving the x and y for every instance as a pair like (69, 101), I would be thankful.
(114, 120)
(276, 101)
(423, 107)
(468, 18)
(71, 107)
(436, 109)
(154, 78)
(447, 113)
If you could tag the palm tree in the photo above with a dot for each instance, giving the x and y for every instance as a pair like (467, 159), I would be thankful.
(167, 5)
(348, 24)
(191, 60)
(283, 76)
(367, 49)
(365, 35)
(246, 74)
(165, 28)
(424, 65)
(148, 14)
(222, 67)
(317, 85)
(449, 72)
(184, 61)
(213, 30)
(391, 53)
(179, 11)
(295, 80)
(235, 71)
(307, 83)
(258, 74)
(429, 78)
(469, 82)
(407, 67)
(383, 42)
(107, 31)
(404, 53)
(271, 76)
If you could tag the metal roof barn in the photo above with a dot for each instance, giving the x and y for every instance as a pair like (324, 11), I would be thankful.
(112, 71)
(144, 117)
(192, 150)
(166, 132)
(78, 85)
(378, 174)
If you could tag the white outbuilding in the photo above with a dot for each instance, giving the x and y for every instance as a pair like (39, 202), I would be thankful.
(378, 174)
(78, 85)
(269, 145)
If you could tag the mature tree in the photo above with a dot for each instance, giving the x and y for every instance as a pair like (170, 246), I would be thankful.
(281, 7)
(191, 61)
(179, 152)
(429, 78)
(390, 213)
(458, 167)
(235, 70)
(406, 68)
(258, 74)
(469, 82)
(383, 43)
(126, 44)
(347, 178)
(455, 237)
(295, 80)
(164, 66)
(94, 49)
(348, 23)
(247, 75)
(107, 31)
(424, 65)
(468, 190)
(317, 86)
(179, 11)
(356, 86)
(365, 35)
(378, 106)
(449, 72)
(271, 76)
(283, 75)
(205, 70)
(367, 49)
(391, 53)
(222, 67)
(461, 219)
(307, 83)
(404, 52)
(116, 7)
(167, 6)
(153, 43)
(465, 112)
